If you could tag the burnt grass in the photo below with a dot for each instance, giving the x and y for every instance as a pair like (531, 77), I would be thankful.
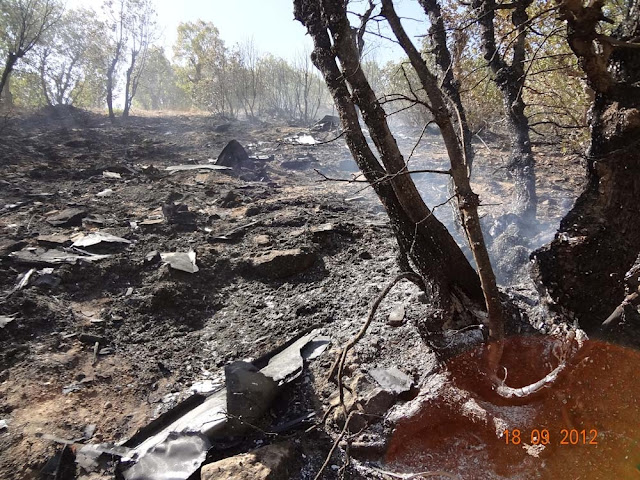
(159, 329)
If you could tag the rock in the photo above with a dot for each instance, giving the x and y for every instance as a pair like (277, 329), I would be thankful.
(273, 462)
(71, 217)
(323, 228)
(396, 316)
(392, 379)
(8, 246)
(55, 240)
(178, 214)
(261, 240)
(230, 199)
(299, 163)
(283, 263)
(233, 155)
(91, 339)
(94, 219)
(378, 402)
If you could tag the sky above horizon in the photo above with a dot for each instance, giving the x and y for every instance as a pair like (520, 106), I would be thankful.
(269, 22)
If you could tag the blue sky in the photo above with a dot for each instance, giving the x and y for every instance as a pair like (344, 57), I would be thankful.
(269, 22)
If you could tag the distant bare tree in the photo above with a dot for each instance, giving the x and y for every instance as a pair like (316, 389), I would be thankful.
(141, 26)
(249, 86)
(23, 23)
(309, 89)
(116, 11)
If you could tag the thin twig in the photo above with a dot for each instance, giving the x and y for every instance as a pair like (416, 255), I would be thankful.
(334, 447)
(409, 476)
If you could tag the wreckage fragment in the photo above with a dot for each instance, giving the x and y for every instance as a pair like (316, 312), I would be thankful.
(177, 451)
(44, 258)
(185, 168)
(233, 155)
(185, 262)
(97, 238)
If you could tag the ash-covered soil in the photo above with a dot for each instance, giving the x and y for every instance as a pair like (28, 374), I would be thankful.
(92, 349)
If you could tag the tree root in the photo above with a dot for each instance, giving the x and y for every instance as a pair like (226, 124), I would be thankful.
(618, 314)
(570, 347)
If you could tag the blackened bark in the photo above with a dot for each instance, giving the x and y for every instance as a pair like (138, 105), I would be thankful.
(128, 87)
(467, 200)
(430, 246)
(510, 79)
(110, 75)
(451, 87)
(8, 68)
(582, 270)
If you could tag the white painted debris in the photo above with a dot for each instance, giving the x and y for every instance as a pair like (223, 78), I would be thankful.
(396, 316)
(306, 140)
(182, 261)
(3, 425)
(392, 379)
(206, 386)
(107, 174)
(6, 320)
(98, 237)
(105, 193)
(184, 168)
(24, 279)
(40, 257)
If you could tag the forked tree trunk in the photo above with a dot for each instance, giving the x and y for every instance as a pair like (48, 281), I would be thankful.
(419, 233)
(433, 250)
(581, 271)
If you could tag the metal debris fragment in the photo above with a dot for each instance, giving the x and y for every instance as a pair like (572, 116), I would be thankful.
(185, 262)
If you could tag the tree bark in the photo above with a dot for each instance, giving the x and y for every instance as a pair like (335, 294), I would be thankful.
(433, 251)
(510, 79)
(128, 87)
(581, 272)
(8, 68)
(110, 75)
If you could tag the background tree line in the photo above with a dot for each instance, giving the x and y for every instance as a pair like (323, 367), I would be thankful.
(99, 59)
(83, 58)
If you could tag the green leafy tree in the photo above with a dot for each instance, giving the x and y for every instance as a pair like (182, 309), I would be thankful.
(65, 58)
(204, 67)
(23, 22)
(158, 86)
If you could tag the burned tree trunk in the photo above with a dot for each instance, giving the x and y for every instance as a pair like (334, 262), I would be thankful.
(430, 246)
(582, 270)
(510, 79)
(419, 233)
(4, 80)
(459, 152)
